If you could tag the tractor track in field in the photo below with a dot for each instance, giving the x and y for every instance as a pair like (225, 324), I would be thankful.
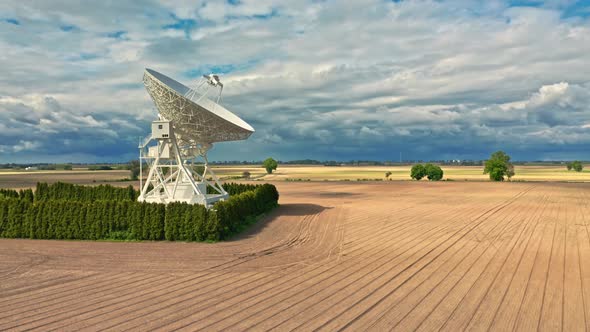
(334, 256)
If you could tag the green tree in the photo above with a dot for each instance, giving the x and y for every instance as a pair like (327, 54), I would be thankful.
(433, 172)
(199, 219)
(569, 166)
(418, 172)
(510, 173)
(134, 169)
(577, 166)
(499, 166)
(27, 195)
(270, 165)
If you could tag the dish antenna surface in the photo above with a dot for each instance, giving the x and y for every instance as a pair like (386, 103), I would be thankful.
(188, 125)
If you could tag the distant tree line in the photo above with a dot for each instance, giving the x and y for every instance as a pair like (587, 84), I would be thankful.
(126, 166)
(65, 211)
(350, 162)
(100, 168)
(65, 167)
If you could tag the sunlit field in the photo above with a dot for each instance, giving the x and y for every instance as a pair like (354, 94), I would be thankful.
(28, 179)
(456, 173)
(353, 256)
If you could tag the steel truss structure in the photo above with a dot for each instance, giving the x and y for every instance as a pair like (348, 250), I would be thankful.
(174, 176)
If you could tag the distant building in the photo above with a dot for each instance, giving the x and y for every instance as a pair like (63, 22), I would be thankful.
(31, 168)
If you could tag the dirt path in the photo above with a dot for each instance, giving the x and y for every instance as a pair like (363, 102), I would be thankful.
(401, 255)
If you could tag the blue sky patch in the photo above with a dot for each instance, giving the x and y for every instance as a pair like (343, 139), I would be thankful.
(88, 56)
(185, 25)
(117, 34)
(129, 86)
(68, 28)
(579, 9)
(12, 21)
(273, 13)
(82, 57)
(525, 3)
(209, 69)
(221, 69)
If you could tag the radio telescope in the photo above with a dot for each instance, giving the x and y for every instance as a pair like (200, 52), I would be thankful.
(188, 125)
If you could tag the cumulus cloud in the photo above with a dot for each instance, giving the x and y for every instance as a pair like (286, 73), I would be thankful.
(327, 80)
(560, 104)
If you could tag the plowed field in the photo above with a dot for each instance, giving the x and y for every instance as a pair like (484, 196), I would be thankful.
(399, 255)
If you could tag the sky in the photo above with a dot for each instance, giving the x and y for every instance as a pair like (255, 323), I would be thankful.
(327, 80)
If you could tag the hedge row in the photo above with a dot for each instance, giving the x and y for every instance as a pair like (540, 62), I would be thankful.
(62, 219)
(26, 194)
(238, 188)
(187, 222)
(233, 188)
(125, 219)
(228, 216)
(68, 191)
(8, 193)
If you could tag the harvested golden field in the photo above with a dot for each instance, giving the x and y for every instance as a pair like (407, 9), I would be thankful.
(380, 256)
(28, 179)
(456, 173)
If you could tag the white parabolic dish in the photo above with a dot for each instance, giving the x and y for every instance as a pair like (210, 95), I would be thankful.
(196, 120)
